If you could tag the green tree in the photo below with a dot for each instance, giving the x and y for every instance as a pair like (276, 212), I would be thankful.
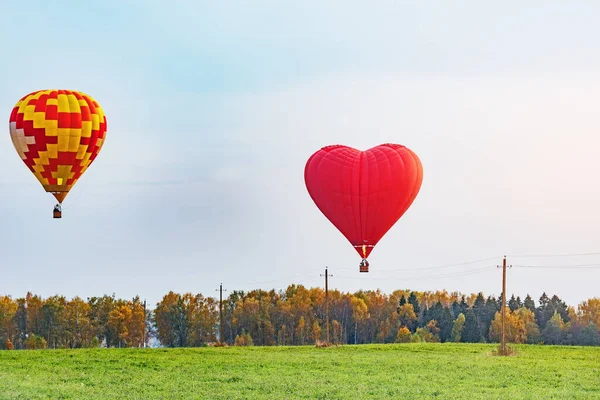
(554, 333)
(446, 324)
(34, 342)
(483, 316)
(589, 335)
(53, 320)
(457, 327)
(529, 303)
(455, 308)
(471, 332)
(412, 300)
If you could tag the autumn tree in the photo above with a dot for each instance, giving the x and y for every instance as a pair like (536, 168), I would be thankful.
(590, 311)
(77, 327)
(337, 332)
(35, 342)
(407, 316)
(301, 331)
(8, 309)
(243, 339)
(412, 300)
(360, 313)
(119, 322)
(183, 320)
(34, 313)
(514, 327)
(403, 335)
(316, 332)
(532, 330)
(100, 310)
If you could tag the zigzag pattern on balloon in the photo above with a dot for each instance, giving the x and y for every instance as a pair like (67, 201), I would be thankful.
(58, 134)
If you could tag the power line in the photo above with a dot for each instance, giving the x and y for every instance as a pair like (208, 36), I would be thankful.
(437, 276)
(443, 266)
(576, 266)
(434, 267)
(555, 255)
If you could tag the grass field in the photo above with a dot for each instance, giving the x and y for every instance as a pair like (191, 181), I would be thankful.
(407, 371)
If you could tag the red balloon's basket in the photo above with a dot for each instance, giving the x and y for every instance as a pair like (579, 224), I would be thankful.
(364, 268)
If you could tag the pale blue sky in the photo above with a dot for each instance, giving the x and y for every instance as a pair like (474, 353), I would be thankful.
(214, 107)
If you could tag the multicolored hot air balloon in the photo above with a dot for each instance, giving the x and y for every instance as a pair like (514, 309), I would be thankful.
(58, 134)
(363, 193)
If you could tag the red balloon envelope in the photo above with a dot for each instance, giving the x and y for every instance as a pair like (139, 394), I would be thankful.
(363, 193)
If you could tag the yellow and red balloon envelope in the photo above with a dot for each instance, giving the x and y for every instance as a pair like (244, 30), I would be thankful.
(58, 134)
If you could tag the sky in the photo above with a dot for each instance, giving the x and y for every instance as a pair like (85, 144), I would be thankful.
(213, 109)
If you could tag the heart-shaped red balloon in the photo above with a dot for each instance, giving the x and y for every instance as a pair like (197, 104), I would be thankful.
(363, 193)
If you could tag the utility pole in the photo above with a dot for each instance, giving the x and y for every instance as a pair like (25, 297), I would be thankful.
(221, 290)
(327, 302)
(503, 342)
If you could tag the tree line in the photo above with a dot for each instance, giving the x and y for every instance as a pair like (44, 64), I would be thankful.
(294, 316)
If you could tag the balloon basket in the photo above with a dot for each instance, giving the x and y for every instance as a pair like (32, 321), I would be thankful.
(364, 265)
(57, 214)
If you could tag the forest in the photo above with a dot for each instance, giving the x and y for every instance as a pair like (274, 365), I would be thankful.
(294, 316)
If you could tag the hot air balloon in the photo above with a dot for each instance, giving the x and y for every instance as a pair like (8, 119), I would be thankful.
(58, 135)
(363, 193)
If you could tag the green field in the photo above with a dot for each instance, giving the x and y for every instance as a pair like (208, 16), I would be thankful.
(407, 371)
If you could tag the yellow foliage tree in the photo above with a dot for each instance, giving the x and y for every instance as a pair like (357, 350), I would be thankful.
(300, 330)
(119, 322)
(403, 335)
(590, 311)
(360, 312)
(78, 323)
(243, 339)
(337, 331)
(406, 315)
(316, 332)
(514, 327)
(8, 309)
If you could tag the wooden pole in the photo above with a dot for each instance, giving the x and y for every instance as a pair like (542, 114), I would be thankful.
(220, 289)
(503, 305)
(327, 304)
